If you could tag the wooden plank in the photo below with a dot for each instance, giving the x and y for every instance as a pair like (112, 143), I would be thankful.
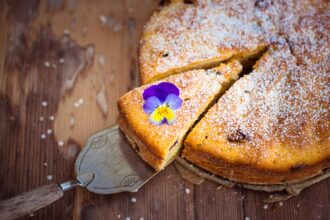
(312, 203)
(77, 58)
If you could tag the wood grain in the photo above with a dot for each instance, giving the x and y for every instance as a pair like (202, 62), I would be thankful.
(63, 53)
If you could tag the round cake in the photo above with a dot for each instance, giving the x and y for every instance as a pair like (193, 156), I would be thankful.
(272, 126)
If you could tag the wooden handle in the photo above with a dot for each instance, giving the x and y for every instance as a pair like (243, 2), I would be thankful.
(30, 201)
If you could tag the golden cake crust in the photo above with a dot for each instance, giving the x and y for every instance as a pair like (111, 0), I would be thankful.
(272, 126)
(153, 141)
(182, 37)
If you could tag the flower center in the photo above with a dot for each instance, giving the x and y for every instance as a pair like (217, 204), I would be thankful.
(163, 110)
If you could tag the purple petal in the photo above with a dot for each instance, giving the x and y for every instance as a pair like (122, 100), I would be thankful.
(161, 91)
(151, 91)
(174, 101)
(164, 89)
(151, 104)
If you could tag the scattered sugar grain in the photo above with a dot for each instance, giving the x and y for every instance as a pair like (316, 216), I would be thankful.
(101, 59)
(128, 218)
(47, 64)
(103, 19)
(41, 118)
(84, 30)
(133, 200)
(265, 206)
(78, 103)
(61, 60)
(49, 131)
(118, 216)
(187, 190)
(72, 121)
(60, 143)
(44, 104)
(117, 27)
(43, 136)
(51, 118)
(49, 177)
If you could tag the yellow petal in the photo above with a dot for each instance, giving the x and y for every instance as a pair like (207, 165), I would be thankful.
(170, 116)
(157, 117)
(162, 112)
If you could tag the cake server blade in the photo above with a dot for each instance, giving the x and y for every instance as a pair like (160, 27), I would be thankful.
(106, 165)
(116, 167)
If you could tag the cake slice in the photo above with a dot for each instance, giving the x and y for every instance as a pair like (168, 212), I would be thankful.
(157, 116)
(182, 37)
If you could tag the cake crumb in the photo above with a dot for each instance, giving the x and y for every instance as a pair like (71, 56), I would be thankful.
(265, 206)
(133, 200)
(280, 203)
(141, 218)
(128, 218)
(247, 218)
(51, 118)
(118, 216)
(49, 177)
(41, 118)
(45, 164)
(31, 215)
(61, 60)
(66, 31)
(60, 143)
(43, 136)
(187, 190)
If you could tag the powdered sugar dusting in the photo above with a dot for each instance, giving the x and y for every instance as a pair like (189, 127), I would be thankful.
(280, 102)
(183, 34)
(197, 89)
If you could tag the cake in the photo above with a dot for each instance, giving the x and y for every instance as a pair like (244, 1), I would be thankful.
(159, 143)
(271, 126)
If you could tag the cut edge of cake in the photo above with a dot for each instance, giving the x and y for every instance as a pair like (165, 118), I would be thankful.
(141, 145)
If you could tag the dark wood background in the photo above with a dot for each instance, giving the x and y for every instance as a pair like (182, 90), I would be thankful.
(78, 57)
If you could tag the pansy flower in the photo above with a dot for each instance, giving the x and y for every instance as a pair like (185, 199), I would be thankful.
(161, 103)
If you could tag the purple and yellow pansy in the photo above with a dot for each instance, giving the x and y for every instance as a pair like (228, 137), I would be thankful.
(161, 102)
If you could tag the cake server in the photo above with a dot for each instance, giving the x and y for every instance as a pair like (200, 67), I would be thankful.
(106, 165)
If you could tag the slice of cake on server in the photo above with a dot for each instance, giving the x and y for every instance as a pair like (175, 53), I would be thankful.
(156, 117)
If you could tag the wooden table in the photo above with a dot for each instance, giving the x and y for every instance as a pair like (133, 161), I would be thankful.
(63, 65)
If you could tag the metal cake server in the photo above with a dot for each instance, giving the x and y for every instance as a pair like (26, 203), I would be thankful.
(106, 165)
